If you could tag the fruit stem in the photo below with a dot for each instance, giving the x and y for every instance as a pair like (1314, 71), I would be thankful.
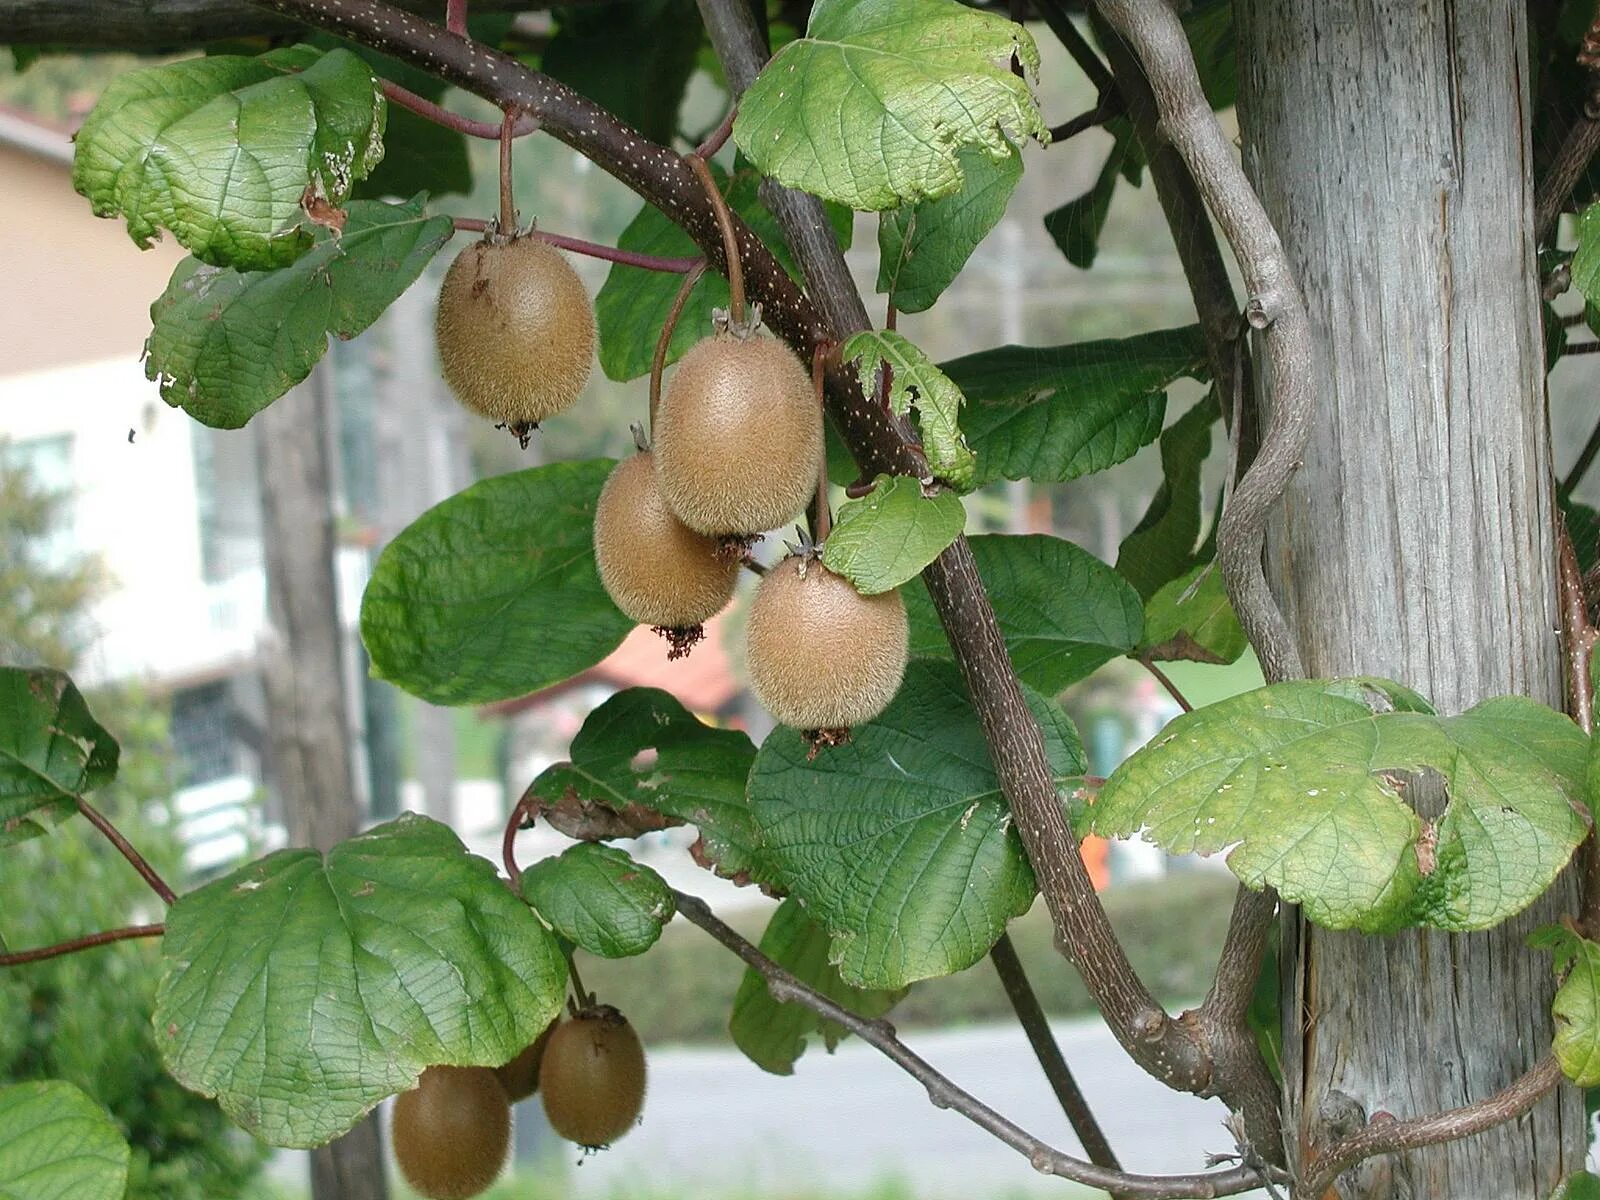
(455, 16)
(628, 258)
(124, 847)
(508, 207)
(890, 315)
(664, 342)
(730, 240)
(822, 519)
(584, 996)
(429, 111)
(718, 137)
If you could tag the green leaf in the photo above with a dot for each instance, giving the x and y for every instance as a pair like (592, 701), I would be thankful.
(51, 751)
(493, 593)
(1209, 25)
(600, 899)
(633, 303)
(1162, 546)
(1579, 1186)
(300, 991)
(418, 156)
(222, 151)
(1054, 413)
(900, 843)
(1191, 619)
(916, 384)
(1305, 782)
(1586, 259)
(1076, 226)
(887, 536)
(1063, 612)
(873, 106)
(922, 247)
(632, 57)
(642, 749)
(1576, 1007)
(226, 344)
(57, 1144)
(772, 1034)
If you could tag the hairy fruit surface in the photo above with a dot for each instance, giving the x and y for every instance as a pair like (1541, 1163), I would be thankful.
(820, 654)
(656, 569)
(738, 437)
(515, 330)
(593, 1077)
(520, 1076)
(451, 1132)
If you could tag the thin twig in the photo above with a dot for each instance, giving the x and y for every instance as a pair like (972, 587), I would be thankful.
(1109, 106)
(1580, 468)
(821, 517)
(1578, 638)
(455, 17)
(1060, 21)
(1165, 681)
(18, 958)
(718, 137)
(508, 843)
(1580, 348)
(1391, 1137)
(1276, 307)
(489, 131)
(1568, 166)
(658, 363)
(1036, 1026)
(942, 1093)
(628, 258)
(114, 835)
(730, 239)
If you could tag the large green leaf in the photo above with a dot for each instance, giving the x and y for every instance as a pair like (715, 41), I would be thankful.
(1076, 226)
(772, 1034)
(226, 343)
(1163, 545)
(887, 536)
(1305, 782)
(51, 751)
(223, 151)
(1191, 619)
(1053, 413)
(642, 749)
(1576, 1007)
(900, 843)
(1586, 259)
(494, 593)
(632, 57)
(300, 991)
(598, 898)
(1579, 1186)
(873, 106)
(57, 1144)
(633, 303)
(1062, 612)
(916, 384)
(922, 247)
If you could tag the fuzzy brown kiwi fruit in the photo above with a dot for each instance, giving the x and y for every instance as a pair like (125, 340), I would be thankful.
(515, 331)
(656, 569)
(593, 1076)
(451, 1132)
(520, 1076)
(738, 436)
(822, 656)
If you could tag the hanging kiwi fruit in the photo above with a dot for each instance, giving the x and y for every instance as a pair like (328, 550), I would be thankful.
(655, 568)
(451, 1132)
(738, 437)
(592, 1079)
(515, 327)
(520, 1076)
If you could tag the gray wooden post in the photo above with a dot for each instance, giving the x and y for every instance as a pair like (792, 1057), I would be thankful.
(1389, 140)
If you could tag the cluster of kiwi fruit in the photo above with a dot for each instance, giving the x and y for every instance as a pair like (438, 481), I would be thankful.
(451, 1133)
(515, 331)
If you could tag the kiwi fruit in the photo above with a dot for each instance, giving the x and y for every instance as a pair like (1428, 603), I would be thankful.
(592, 1078)
(738, 436)
(656, 569)
(520, 1076)
(822, 656)
(451, 1132)
(515, 331)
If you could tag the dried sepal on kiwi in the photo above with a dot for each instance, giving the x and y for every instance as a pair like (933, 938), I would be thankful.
(738, 437)
(821, 656)
(592, 1080)
(515, 331)
(452, 1131)
(656, 569)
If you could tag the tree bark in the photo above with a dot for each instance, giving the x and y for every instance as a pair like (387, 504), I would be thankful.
(1389, 140)
(308, 714)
